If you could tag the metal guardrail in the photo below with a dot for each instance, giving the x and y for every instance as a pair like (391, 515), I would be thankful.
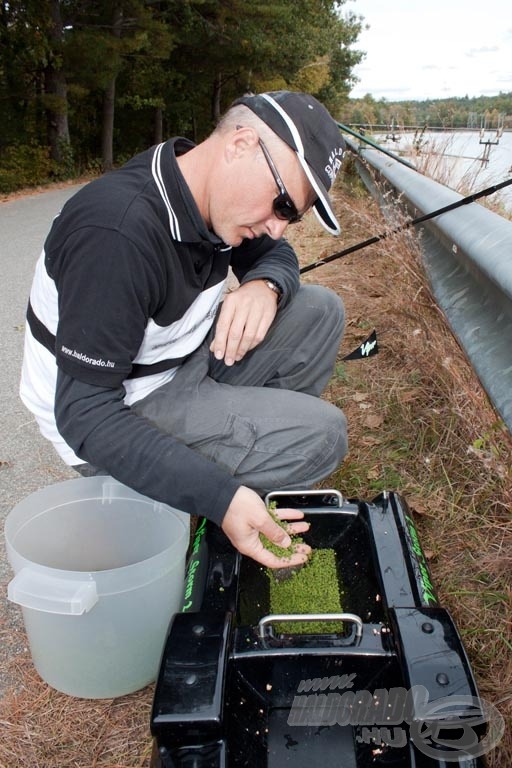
(467, 254)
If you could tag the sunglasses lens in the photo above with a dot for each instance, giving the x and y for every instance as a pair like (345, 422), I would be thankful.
(284, 208)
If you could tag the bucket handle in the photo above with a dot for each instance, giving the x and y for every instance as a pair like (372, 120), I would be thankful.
(41, 592)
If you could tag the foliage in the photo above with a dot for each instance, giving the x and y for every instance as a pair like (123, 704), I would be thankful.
(447, 113)
(112, 77)
(24, 165)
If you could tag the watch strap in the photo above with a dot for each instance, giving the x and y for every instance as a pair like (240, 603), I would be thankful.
(274, 287)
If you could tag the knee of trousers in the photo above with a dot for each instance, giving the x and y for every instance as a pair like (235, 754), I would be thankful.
(327, 302)
(327, 442)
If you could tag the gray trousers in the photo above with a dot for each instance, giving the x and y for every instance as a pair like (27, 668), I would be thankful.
(262, 419)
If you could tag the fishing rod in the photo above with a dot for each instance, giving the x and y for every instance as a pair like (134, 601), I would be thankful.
(407, 225)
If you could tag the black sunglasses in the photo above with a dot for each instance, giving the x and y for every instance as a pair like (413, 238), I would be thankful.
(283, 206)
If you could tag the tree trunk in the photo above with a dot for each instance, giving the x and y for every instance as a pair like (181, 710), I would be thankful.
(55, 87)
(194, 127)
(158, 126)
(107, 135)
(56, 113)
(109, 98)
(217, 89)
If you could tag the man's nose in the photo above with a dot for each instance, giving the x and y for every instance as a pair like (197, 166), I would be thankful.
(276, 227)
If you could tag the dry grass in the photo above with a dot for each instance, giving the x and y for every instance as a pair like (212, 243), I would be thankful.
(419, 423)
(439, 159)
(42, 728)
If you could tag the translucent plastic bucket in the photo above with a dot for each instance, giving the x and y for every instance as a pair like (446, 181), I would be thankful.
(99, 571)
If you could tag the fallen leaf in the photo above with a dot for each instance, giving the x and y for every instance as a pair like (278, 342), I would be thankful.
(417, 505)
(371, 440)
(374, 420)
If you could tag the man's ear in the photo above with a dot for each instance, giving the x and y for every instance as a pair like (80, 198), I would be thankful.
(241, 140)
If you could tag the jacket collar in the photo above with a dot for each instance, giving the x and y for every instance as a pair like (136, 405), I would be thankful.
(185, 222)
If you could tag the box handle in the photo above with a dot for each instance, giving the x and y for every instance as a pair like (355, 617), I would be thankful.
(319, 493)
(265, 624)
(50, 594)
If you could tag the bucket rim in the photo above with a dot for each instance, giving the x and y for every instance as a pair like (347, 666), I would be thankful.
(14, 523)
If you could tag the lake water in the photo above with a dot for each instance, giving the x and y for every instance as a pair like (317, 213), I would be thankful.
(456, 158)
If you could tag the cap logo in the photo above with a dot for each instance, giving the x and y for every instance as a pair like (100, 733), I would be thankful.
(334, 163)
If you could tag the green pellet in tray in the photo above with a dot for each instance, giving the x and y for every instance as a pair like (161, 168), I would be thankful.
(312, 589)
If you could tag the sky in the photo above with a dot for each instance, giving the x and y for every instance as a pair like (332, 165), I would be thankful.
(433, 49)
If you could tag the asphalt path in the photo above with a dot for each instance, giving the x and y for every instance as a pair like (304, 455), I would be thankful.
(28, 462)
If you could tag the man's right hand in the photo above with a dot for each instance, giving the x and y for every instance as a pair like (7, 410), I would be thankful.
(247, 517)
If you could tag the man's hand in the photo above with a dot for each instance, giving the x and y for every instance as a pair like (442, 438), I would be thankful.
(247, 517)
(245, 317)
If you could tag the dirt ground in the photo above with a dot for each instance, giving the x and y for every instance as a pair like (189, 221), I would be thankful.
(419, 423)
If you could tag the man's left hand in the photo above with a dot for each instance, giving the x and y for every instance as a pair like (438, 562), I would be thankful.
(245, 317)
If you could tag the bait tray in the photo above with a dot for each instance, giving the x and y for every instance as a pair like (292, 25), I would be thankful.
(233, 691)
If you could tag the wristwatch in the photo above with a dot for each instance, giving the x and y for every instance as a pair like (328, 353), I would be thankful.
(274, 287)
